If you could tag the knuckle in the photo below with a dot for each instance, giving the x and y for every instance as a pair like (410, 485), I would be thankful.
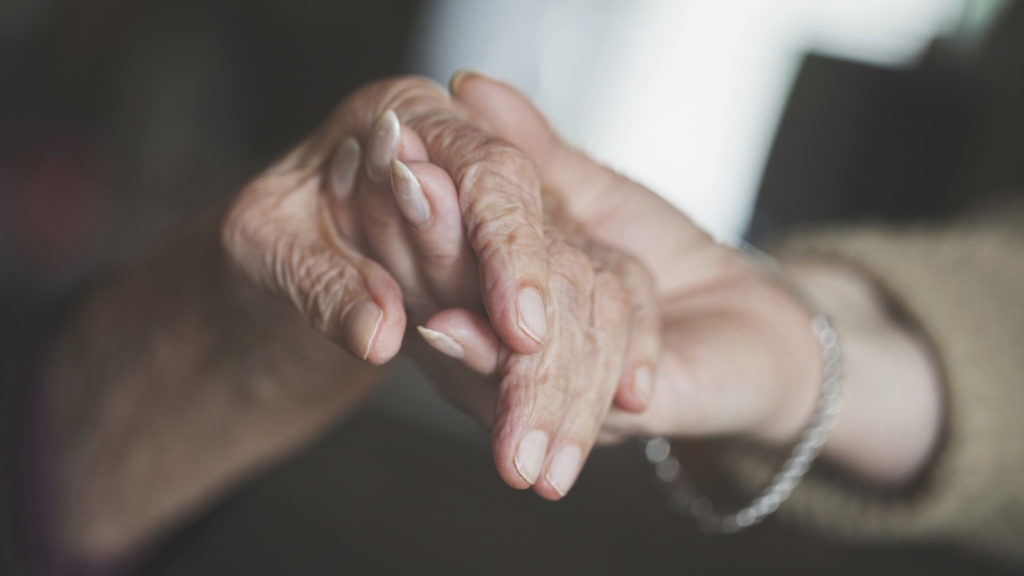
(243, 230)
(490, 163)
(572, 263)
(539, 387)
(324, 288)
(261, 211)
(317, 285)
(496, 217)
(499, 224)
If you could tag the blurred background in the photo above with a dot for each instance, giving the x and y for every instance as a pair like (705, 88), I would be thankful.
(120, 120)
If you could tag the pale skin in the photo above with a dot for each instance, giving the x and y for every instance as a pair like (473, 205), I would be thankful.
(208, 343)
(266, 320)
(738, 358)
(408, 216)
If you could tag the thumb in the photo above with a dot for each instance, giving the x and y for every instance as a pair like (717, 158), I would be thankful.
(507, 113)
(340, 293)
(349, 298)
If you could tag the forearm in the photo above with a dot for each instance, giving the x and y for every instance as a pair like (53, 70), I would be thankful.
(172, 383)
(892, 412)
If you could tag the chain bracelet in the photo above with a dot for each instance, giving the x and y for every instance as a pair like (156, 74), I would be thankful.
(685, 498)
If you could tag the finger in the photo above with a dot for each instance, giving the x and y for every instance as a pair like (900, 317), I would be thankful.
(593, 391)
(710, 393)
(465, 336)
(510, 115)
(427, 199)
(607, 438)
(537, 391)
(581, 183)
(341, 184)
(644, 329)
(389, 139)
(372, 318)
(340, 293)
(382, 146)
(499, 198)
(382, 226)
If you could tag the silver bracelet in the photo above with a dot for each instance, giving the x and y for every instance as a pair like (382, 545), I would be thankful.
(683, 495)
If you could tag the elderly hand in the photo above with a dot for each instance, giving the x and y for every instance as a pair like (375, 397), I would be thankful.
(545, 408)
(279, 236)
(207, 341)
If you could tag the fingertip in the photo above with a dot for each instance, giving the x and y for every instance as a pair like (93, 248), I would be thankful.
(344, 167)
(465, 336)
(460, 77)
(442, 342)
(440, 236)
(438, 187)
(455, 82)
(360, 323)
(520, 461)
(518, 317)
(381, 342)
(643, 384)
(383, 146)
(409, 196)
(519, 444)
(561, 473)
(388, 341)
(531, 314)
(371, 334)
(635, 390)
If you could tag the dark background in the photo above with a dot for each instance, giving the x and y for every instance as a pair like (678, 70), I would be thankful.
(121, 119)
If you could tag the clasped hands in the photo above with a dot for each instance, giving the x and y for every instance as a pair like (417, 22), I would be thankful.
(556, 301)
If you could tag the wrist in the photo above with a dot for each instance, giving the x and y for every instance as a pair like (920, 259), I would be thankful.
(175, 380)
(892, 399)
(796, 372)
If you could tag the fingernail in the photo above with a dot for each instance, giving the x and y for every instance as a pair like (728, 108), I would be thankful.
(409, 195)
(383, 146)
(346, 165)
(642, 384)
(441, 342)
(456, 82)
(532, 316)
(564, 469)
(530, 455)
(360, 325)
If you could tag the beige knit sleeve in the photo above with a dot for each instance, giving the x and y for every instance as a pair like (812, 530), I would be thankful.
(964, 285)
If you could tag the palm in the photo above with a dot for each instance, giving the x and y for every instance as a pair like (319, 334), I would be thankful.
(715, 311)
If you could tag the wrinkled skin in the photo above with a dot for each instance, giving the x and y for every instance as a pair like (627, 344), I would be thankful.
(738, 356)
(332, 239)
